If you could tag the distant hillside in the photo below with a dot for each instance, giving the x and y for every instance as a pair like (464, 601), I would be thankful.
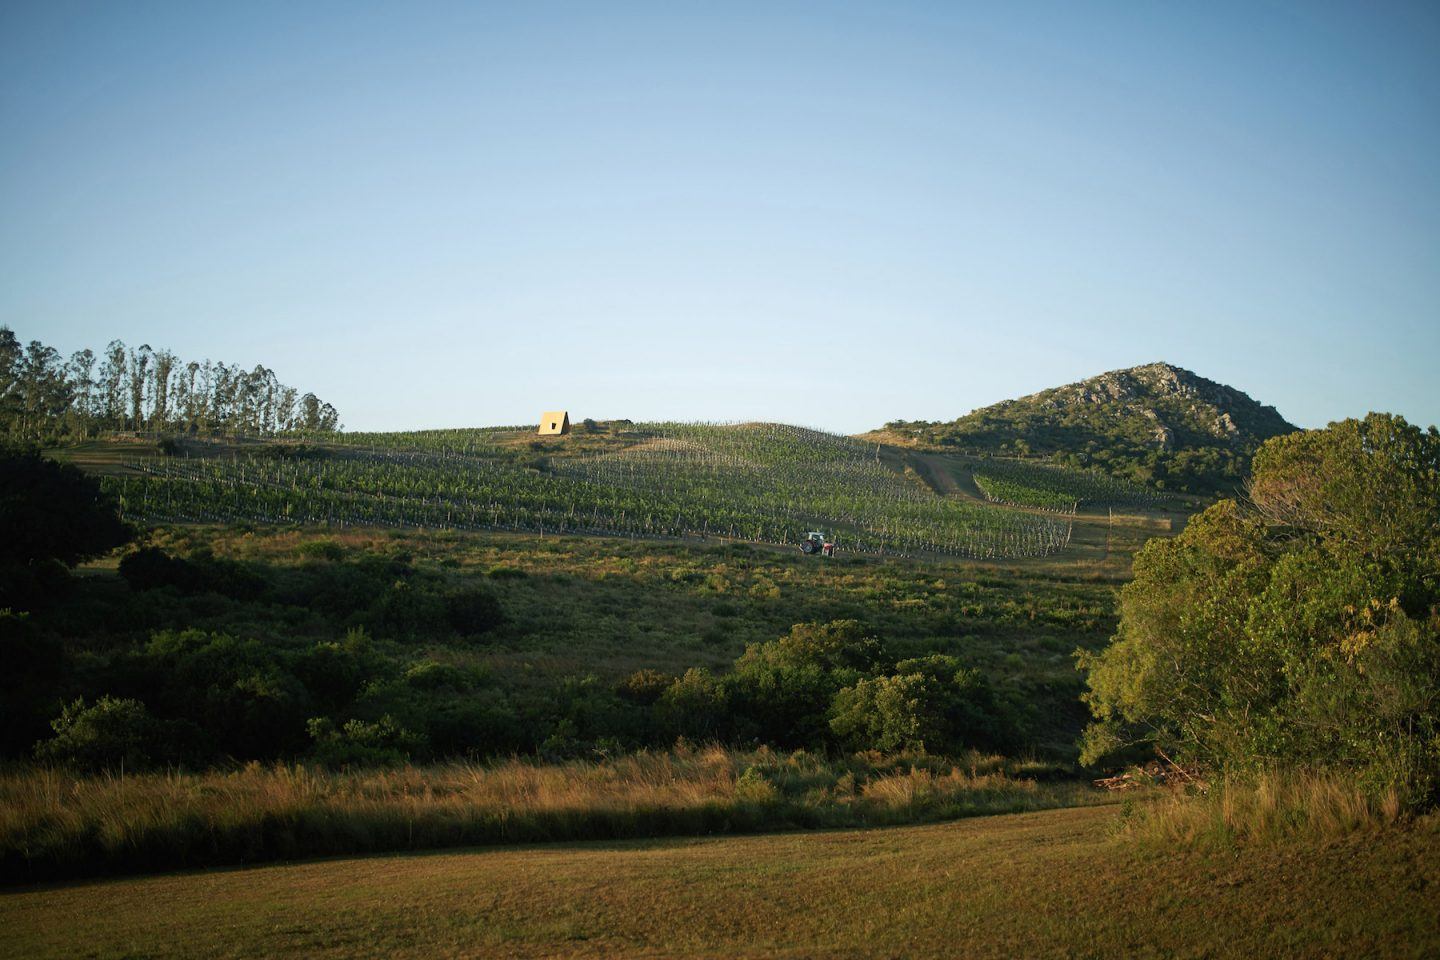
(1156, 424)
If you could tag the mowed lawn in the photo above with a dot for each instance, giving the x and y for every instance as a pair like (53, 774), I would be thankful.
(1055, 883)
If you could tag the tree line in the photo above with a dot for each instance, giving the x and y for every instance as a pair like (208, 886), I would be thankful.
(44, 396)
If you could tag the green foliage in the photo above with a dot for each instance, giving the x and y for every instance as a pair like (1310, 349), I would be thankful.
(928, 704)
(645, 687)
(52, 511)
(753, 789)
(336, 672)
(780, 691)
(324, 549)
(111, 734)
(1372, 485)
(1053, 487)
(1304, 630)
(1155, 426)
(696, 706)
(473, 612)
(44, 398)
(151, 568)
(237, 694)
(34, 667)
(239, 639)
(383, 743)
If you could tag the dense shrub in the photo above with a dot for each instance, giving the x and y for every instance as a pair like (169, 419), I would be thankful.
(321, 550)
(695, 706)
(34, 666)
(240, 693)
(781, 691)
(52, 511)
(477, 724)
(335, 672)
(1300, 629)
(107, 735)
(645, 687)
(151, 568)
(471, 612)
(35, 586)
(929, 704)
(358, 743)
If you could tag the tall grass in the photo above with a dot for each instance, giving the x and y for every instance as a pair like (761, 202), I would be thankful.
(56, 824)
(1264, 807)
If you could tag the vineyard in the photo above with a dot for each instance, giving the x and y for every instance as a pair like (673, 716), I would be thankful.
(1055, 489)
(764, 483)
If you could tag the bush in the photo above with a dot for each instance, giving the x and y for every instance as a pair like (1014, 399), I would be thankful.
(151, 568)
(1303, 628)
(35, 586)
(752, 788)
(930, 704)
(321, 550)
(482, 723)
(240, 693)
(406, 610)
(383, 743)
(473, 612)
(645, 687)
(335, 672)
(52, 511)
(781, 691)
(112, 734)
(694, 706)
(35, 666)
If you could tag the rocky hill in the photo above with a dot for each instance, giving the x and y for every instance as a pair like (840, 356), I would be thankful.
(1156, 424)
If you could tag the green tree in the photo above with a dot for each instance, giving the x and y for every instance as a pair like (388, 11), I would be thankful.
(931, 703)
(107, 735)
(1301, 628)
(52, 511)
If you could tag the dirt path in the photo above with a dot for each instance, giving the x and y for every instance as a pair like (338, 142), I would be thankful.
(945, 475)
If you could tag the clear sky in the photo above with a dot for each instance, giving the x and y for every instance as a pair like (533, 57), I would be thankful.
(829, 214)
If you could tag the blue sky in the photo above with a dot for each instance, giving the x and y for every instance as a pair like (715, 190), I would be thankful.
(829, 214)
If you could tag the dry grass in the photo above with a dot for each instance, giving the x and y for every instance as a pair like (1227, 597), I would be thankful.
(56, 824)
(1049, 884)
(1268, 806)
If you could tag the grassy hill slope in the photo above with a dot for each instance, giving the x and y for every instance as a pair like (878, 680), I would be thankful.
(1050, 884)
(1156, 425)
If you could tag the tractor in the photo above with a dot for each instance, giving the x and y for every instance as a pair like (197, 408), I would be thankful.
(815, 542)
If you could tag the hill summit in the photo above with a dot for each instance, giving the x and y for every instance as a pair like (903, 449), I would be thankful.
(1156, 424)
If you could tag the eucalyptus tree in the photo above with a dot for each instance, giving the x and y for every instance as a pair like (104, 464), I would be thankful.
(42, 395)
(113, 376)
(81, 373)
(310, 412)
(285, 409)
(46, 391)
(138, 374)
(10, 356)
(160, 390)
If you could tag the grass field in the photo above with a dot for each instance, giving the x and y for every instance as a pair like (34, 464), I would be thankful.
(610, 606)
(58, 825)
(1050, 884)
